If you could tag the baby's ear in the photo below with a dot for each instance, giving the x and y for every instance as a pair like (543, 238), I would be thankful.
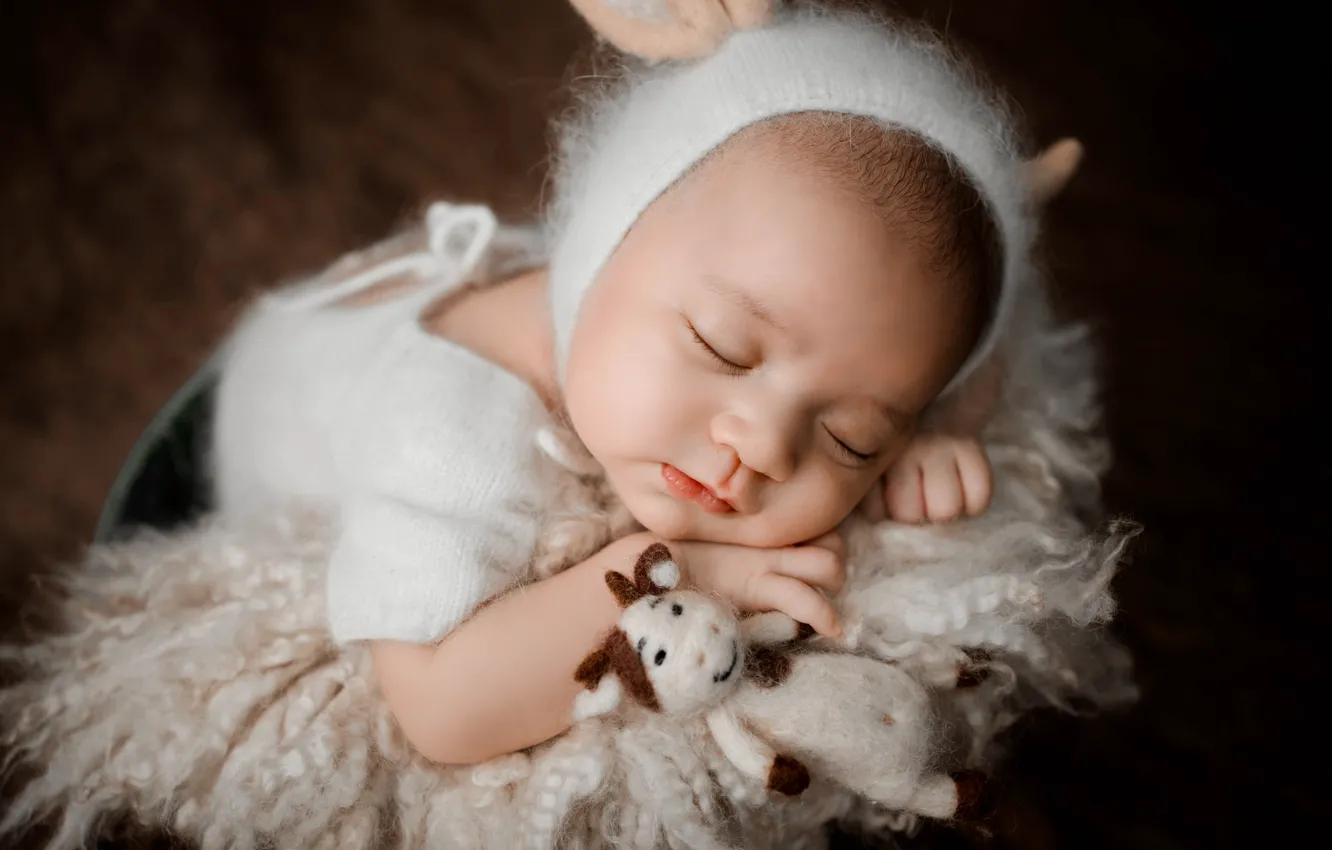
(656, 30)
(1049, 172)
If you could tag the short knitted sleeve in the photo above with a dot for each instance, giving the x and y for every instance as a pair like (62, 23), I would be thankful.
(440, 462)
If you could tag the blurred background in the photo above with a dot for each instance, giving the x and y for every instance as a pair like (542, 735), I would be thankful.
(161, 161)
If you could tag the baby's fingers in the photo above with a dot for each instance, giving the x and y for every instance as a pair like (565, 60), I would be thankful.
(833, 541)
(973, 467)
(904, 492)
(875, 504)
(817, 564)
(943, 487)
(804, 604)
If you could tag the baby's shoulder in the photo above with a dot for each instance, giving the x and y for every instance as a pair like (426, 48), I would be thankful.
(438, 412)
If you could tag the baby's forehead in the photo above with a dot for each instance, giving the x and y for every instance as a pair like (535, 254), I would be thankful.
(915, 194)
(839, 145)
(913, 188)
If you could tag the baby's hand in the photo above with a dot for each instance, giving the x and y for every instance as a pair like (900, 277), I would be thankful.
(787, 580)
(939, 478)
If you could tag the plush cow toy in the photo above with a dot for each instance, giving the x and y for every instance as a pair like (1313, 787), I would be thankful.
(858, 721)
(681, 652)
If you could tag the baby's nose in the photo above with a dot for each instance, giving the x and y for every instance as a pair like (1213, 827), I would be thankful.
(768, 449)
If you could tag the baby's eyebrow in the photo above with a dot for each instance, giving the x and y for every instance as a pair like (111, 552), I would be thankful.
(744, 300)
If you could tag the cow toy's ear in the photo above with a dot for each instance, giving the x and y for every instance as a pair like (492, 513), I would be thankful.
(603, 692)
(656, 571)
(595, 666)
(625, 591)
(603, 699)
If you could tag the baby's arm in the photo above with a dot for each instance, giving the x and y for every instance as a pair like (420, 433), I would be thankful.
(503, 679)
(944, 473)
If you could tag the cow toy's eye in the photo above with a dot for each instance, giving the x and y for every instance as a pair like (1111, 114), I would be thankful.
(642, 642)
(654, 602)
(677, 609)
(660, 657)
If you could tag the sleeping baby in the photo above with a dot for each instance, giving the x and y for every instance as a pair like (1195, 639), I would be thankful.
(781, 248)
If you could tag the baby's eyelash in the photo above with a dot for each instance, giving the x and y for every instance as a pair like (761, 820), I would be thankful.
(850, 453)
(728, 366)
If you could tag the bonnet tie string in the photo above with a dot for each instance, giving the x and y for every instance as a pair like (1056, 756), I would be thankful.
(457, 237)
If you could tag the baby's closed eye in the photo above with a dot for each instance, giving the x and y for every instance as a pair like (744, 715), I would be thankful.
(846, 449)
(730, 364)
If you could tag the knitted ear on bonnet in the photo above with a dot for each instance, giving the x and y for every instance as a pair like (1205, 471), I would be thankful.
(655, 30)
(643, 134)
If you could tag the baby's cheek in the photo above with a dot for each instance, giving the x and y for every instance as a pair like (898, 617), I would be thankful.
(660, 515)
(632, 402)
(809, 509)
(600, 399)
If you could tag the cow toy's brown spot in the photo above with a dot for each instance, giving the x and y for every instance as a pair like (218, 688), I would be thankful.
(975, 797)
(787, 776)
(767, 667)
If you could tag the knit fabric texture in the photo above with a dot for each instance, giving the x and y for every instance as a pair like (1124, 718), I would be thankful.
(421, 449)
(636, 137)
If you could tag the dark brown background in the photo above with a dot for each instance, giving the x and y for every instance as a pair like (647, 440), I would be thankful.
(163, 159)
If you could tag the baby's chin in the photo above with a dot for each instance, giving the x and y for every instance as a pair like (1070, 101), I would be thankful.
(671, 519)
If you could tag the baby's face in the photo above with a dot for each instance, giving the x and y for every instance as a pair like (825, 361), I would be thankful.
(756, 353)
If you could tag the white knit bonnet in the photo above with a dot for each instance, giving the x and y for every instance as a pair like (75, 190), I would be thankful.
(639, 138)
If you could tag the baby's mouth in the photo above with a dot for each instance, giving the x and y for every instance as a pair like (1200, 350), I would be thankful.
(735, 660)
(682, 487)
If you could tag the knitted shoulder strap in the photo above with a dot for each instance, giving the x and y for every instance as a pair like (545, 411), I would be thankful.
(457, 238)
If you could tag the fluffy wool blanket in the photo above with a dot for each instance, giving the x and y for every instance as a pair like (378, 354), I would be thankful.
(191, 683)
